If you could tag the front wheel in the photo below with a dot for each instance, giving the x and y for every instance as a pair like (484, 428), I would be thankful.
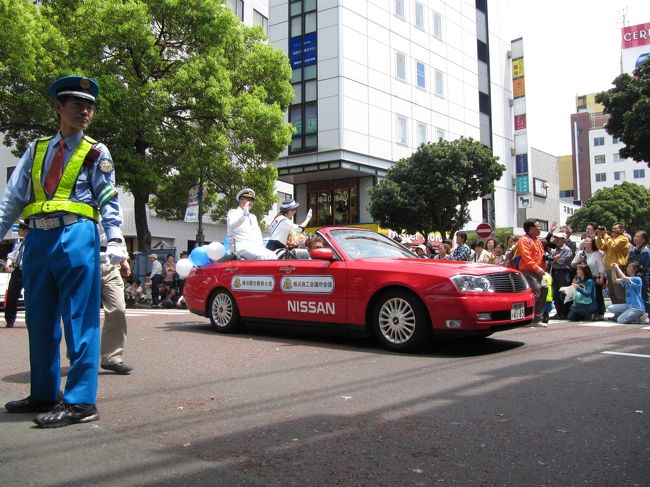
(401, 322)
(224, 314)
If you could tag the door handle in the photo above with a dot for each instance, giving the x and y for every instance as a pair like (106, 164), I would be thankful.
(287, 269)
(232, 269)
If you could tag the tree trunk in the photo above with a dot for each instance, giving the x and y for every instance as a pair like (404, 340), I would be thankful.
(141, 223)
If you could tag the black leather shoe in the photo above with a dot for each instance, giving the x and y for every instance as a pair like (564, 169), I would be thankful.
(119, 368)
(10, 324)
(65, 414)
(29, 405)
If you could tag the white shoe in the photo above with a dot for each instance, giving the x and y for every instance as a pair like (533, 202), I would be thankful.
(644, 319)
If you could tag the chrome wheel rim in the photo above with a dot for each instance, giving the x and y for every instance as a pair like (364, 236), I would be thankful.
(397, 320)
(222, 310)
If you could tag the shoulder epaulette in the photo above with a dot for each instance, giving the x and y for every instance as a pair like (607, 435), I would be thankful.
(90, 139)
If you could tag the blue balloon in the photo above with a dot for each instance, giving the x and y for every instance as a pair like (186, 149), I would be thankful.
(199, 256)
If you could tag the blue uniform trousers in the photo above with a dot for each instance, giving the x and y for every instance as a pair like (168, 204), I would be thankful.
(61, 275)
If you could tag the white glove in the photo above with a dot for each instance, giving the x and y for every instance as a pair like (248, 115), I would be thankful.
(115, 252)
(304, 223)
(247, 207)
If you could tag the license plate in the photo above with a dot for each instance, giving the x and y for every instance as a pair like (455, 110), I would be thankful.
(518, 311)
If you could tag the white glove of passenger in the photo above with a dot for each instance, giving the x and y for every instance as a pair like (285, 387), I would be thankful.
(115, 252)
(247, 207)
(304, 223)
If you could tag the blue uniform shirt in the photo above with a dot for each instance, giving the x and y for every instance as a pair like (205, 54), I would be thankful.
(90, 183)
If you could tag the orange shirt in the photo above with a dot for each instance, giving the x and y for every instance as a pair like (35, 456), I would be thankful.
(531, 252)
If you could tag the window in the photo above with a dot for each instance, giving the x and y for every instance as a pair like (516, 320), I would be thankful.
(437, 25)
(420, 75)
(237, 6)
(619, 175)
(600, 159)
(259, 19)
(422, 133)
(599, 141)
(639, 173)
(400, 66)
(440, 85)
(616, 157)
(540, 187)
(419, 15)
(601, 177)
(566, 193)
(440, 134)
(402, 131)
(615, 140)
(399, 8)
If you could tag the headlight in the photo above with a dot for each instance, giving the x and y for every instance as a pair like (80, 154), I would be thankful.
(472, 284)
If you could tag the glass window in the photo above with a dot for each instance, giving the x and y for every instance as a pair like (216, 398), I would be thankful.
(310, 5)
(399, 8)
(440, 134)
(615, 140)
(296, 26)
(419, 15)
(400, 66)
(440, 83)
(619, 175)
(296, 8)
(334, 202)
(422, 133)
(599, 141)
(311, 92)
(600, 159)
(616, 157)
(420, 75)
(310, 22)
(402, 131)
(311, 117)
(437, 25)
(310, 72)
(639, 173)
(601, 177)
(296, 75)
(297, 94)
(296, 120)
(259, 19)
(237, 6)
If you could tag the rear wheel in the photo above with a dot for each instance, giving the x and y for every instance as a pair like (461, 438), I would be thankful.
(224, 314)
(401, 322)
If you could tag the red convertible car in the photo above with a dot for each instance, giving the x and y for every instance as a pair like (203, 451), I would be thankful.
(366, 283)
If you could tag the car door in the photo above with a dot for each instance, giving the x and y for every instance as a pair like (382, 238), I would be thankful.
(253, 284)
(312, 290)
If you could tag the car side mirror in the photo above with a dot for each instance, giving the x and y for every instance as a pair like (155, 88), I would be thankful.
(323, 253)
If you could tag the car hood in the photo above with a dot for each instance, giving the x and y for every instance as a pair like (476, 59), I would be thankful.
(446, 268)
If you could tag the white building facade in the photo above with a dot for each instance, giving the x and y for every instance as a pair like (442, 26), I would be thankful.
(608, 168)
(373, 79)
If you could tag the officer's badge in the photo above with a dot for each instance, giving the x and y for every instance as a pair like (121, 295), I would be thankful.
(106, 165)
(84, 83)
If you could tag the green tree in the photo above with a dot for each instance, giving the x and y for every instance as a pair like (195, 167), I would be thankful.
(627, 203)
(628, 105)
(186, 91)
(432, 189)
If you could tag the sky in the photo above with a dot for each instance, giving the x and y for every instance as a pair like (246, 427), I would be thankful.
(571, 47)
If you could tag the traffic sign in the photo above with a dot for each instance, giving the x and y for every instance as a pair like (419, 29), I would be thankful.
(484, 230)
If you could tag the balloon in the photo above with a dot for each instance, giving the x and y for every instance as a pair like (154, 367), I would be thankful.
(183, 268)
(199, 256)
(216, 250)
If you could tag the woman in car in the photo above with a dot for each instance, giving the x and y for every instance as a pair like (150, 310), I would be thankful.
(283, 224)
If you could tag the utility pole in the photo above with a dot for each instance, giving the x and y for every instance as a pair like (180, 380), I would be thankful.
(200, 238)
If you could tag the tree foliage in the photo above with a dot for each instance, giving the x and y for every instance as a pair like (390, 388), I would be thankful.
(186, 90)
(432, 189)
(626, 203)
(628, 105)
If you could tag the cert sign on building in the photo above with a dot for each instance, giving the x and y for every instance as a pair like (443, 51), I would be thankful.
(635, 44)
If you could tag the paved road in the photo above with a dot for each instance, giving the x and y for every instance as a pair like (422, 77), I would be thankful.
(567, 405)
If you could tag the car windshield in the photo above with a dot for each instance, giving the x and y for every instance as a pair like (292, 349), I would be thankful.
(361, 244)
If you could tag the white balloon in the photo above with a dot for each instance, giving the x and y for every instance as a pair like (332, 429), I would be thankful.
(183, 268)
(216, 250)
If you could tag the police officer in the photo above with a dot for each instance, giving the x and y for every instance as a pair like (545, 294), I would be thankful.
(63, 185)
(15, 264)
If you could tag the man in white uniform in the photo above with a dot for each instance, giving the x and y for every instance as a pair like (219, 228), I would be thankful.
(242, 228)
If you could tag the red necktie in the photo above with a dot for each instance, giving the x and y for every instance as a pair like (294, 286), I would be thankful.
(56, 169)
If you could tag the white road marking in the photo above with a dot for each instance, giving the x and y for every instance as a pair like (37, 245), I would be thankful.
(598, 324)
(627, 354)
